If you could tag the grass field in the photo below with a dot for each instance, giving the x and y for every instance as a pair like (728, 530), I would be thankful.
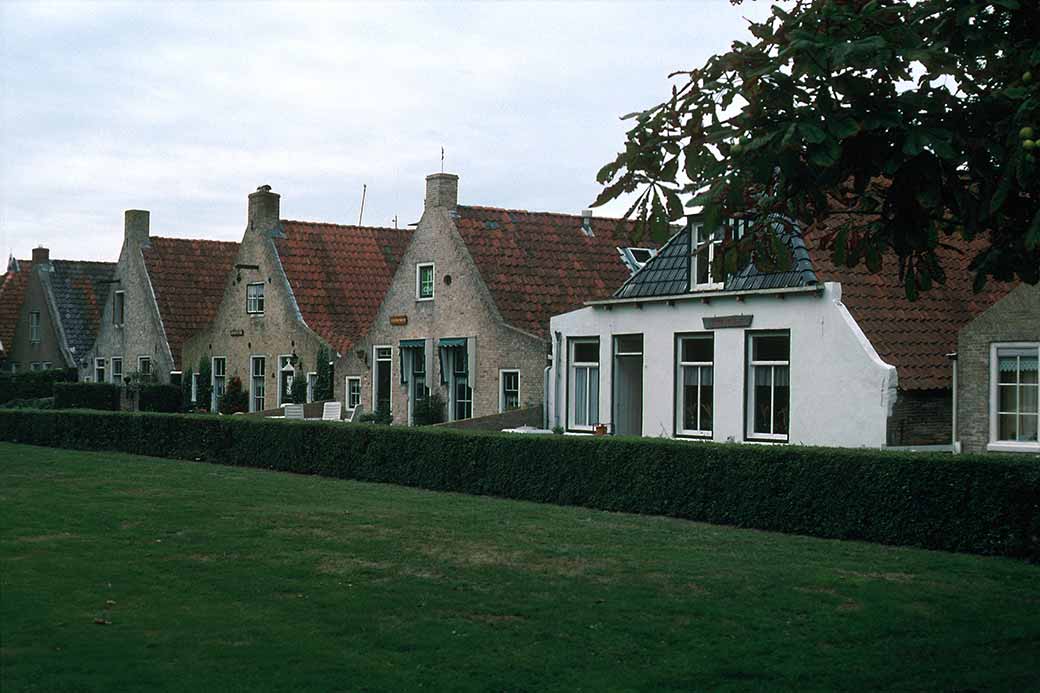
(217, 578)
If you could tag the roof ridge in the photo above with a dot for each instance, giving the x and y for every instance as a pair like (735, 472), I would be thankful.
(555, 214)
(333, 224)
(85, 262)
(190, 240)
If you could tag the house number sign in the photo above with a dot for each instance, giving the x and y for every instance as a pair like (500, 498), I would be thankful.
(237, 333)
(398, 320)
(723, 321)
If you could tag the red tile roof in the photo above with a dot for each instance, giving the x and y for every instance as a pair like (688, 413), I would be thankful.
(12, 291)
(340, 274)
(913, 336)
(188, 277)
(539, 264)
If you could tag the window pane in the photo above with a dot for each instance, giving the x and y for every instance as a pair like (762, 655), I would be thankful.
(771, 348)
(1027, 398)
(698, 349)
(689, 419)
(707, 377)
(762, 416)
(629, 344)
(781, 397)
(581, 382)
(586, 352)
(1027, 427)
(593, 395)
(1006, 427)
(703, 265)
(1008, 398)
(1008, 368)
(1028, 369)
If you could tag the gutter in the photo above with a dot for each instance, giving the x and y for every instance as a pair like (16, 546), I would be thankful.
(702, 295)
(557, 362)
(955, 444)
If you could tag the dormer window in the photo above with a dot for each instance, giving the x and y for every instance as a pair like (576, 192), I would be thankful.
(635, 258)
(255, 298)
(705, 245)
(424, 276)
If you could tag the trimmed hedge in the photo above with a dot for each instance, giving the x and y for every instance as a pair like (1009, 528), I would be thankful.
(160, 398)
(104, 396)
(33, 384)
(986, 505)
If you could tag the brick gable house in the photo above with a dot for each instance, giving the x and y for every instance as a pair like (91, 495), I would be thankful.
(163, 290)
(57, 319)
(292, 288)
(820, 354)
(12, 292)
(467, 313)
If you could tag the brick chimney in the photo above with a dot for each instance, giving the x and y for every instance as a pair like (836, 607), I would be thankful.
(442, 190)
(41, 256)
(264, 209)
(135, 226)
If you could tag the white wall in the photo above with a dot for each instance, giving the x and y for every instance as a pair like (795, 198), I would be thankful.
(841, 391)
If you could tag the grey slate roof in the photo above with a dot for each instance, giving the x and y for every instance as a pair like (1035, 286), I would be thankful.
(80, 289)
(668, 273)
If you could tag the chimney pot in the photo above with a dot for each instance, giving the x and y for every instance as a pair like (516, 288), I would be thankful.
(41, 256)
(586, 222)
(135, 226)
(442, 190)
(264, 209)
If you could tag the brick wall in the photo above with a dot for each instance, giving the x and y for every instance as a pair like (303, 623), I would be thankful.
(1015, 318)
(921, 417)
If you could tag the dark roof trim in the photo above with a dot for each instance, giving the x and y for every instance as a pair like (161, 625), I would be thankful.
(699, 295)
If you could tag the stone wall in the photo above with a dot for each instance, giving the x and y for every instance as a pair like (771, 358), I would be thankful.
(922, 417)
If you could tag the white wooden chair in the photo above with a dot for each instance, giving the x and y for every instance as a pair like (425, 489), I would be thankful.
(294, 411)
(355, 414)
(332, 411)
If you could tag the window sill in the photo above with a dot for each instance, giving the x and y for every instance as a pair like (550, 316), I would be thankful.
(763, 438)
(1012, 446)
(695, 435)
(423, 300)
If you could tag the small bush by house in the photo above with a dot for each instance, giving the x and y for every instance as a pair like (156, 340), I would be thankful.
(160, 398)
(33, 384)
(104, 396)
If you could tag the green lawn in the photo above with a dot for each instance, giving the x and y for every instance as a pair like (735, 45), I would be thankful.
(220, 578)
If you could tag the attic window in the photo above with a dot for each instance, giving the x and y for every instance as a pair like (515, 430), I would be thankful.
(635, 258)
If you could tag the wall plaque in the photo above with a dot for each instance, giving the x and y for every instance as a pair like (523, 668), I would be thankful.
(398, 320)
(723, 321)
(237, 333)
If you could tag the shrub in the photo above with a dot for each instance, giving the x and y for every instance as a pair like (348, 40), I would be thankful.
(234, 399)
(326, 377)
(204, 393)
(33, 384)
(161, 398)
(39, 403)
(103, 396)
(298, 392)
(383, 417)
(975, 503)
(428, 410)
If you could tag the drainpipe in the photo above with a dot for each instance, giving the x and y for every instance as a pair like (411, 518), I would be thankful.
(954, 443)
(545, 399)
(556, 385)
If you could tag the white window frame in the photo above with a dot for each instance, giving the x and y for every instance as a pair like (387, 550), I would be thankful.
(457, 357)
(283, 397)
(253, 397)
(34, 327)
(375, 375)
(47, 365)
(995, 445)
(119, 308)
(416, 391)
(419, 267)
(99, 369)
(141, 360)
(714, 243)
(346, 392)
(680, 384)
(117, 378)
(572, 378)
(214, 397)
(502, 389)
(195, 387)
(255, 304)
(36, 366)
(749, 374)
(312, 383)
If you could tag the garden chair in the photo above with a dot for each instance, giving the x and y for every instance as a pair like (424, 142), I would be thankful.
(294, 411)
(355, 414)
(332, 411)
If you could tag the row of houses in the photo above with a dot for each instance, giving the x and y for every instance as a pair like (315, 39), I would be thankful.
(499, 310)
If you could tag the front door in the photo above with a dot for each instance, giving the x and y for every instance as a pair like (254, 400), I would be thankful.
(628, 385)
(383, 380)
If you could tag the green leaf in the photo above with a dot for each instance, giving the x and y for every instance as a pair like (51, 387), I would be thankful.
(658, 221)
(997, 201)
(812, 133)
(826, 156)
(842, 126)
(910, 284)
(1033, 233)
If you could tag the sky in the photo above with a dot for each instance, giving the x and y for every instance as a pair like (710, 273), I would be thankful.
(185, 108)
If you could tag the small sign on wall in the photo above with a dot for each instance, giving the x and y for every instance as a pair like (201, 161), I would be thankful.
(398, 320)
(236, 333)
(723, 321)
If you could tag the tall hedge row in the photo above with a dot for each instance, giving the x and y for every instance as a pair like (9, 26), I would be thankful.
(986, 505)
(33, 384)
(103, 396)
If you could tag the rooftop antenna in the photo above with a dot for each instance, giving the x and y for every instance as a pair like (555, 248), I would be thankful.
(364, 189)
(442, 159)
(395, 221)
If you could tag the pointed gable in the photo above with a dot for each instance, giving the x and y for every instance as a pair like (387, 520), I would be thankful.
(339, 274)
(539, 264)
(188, 278)
(12, 292)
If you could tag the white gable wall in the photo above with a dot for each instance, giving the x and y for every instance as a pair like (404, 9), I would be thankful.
(841, 391)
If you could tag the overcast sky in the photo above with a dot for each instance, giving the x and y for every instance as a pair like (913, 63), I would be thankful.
(184, 108)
